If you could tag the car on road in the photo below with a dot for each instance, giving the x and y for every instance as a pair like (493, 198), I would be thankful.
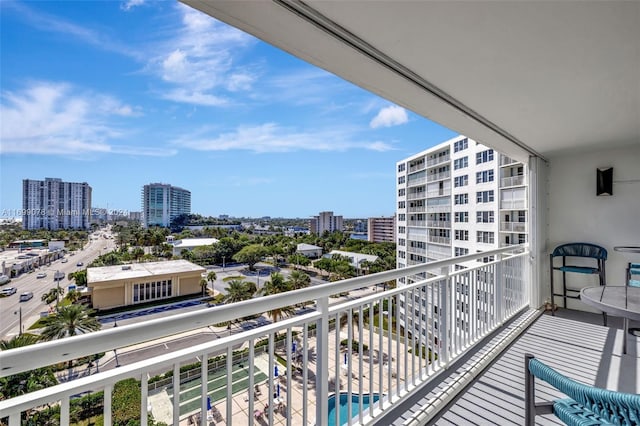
(26, 296)
(64, 260)
(8, 291)
(79, 264)
(41, 275)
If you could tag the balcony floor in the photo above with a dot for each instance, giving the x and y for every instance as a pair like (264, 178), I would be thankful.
(574, 343)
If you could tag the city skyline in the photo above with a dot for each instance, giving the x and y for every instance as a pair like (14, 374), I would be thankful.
(122, 94)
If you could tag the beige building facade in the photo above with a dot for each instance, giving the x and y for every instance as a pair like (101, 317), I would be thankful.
(126, 285)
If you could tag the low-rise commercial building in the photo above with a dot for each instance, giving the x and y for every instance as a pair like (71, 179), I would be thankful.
(125, 285)
(309, 250)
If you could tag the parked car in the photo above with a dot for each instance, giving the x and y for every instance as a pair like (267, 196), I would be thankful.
(41, 275)
(9, 291)
(26, 296)
(79, 264)
(65, 260)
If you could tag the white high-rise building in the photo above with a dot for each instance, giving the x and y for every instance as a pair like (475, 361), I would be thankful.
(53, 204)
(162, 203)
(325, 221)
(457, 198)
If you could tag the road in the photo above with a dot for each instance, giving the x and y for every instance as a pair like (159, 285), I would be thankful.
(11, 309)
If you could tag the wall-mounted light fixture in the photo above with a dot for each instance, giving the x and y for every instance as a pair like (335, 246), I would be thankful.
(604, 184)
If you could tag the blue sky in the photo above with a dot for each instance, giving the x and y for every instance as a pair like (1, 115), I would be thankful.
(120, 94)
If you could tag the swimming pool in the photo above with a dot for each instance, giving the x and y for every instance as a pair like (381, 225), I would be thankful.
(356, 401)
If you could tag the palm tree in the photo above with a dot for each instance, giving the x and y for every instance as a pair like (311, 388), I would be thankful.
(276, 285)
(203, 285)
(69, 321)
(72, 296)
(298, 280)
(30, 381)
(211, 276)
(238, 290)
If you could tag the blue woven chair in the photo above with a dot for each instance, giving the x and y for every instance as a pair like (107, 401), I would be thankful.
(577, 250)
(587, 405)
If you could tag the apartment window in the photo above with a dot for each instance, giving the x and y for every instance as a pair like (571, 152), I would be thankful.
(461, 199)
(402, 229)
(401, 179)
(460, 163)
(460, 251)
(461, 181)
(460, 145)
(402, 242)
(461, 217)
(461, 235)
(484, 156)
(401, 254)
(401, 167)
(401, 204)
(522, 216)
(522, 238)
(485, 237)
(401, 217)
(485, 217)
(484, 176)
(401, 192)
(484, 196)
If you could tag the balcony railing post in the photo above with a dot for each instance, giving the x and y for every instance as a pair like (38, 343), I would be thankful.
(500, 282)
(322, 375)
(444, 312)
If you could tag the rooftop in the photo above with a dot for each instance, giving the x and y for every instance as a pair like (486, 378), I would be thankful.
(194, 242)
(139, 270)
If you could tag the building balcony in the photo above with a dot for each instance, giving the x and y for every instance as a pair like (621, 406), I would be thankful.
(334, 344)
(519, 227)
(416, 181)
(439, 193)
(418, 209)
(417, 167)
(438, 160)
(422, 223)
(443, 208)
(438, 176)
(416, 195)
(513, 204)
(512, 181)
(439, 240)
(439, 224)
(417, 250)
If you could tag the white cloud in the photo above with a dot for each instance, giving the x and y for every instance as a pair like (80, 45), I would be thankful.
(390, 116)
(270, 137)
(57, 118)
(129, 4)
(198, 63)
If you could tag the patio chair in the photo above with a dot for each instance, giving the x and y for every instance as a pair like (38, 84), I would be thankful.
(587, 405)
(633, 270)
(572, 251)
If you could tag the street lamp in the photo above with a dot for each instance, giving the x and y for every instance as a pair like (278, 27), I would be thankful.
(19, 312)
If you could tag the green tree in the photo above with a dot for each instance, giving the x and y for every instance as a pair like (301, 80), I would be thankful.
(276, 285)
(211, 276)
(69, 321)
(250, 255)
(30, 381)
(52, 295)
(80, 277)
(72, 296)
(203, 285)
(238, 290)
(298, 280)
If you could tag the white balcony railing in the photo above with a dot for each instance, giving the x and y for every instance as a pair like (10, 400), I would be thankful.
(438, 176)
(512, 181)
(417, 209)
(438, 160)
(341, 345)
(439, 193)
(519, 227)
(439, 224)
(439, 208)
(513, 204)
(439, 240)
(416, 181)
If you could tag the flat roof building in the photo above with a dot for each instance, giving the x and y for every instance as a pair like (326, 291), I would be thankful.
(131, 284)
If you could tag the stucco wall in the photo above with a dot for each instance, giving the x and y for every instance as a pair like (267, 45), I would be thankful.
(576, 214)
(190, 285)
(106, 298)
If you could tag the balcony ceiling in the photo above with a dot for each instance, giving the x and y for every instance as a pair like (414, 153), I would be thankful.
(548, 76)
